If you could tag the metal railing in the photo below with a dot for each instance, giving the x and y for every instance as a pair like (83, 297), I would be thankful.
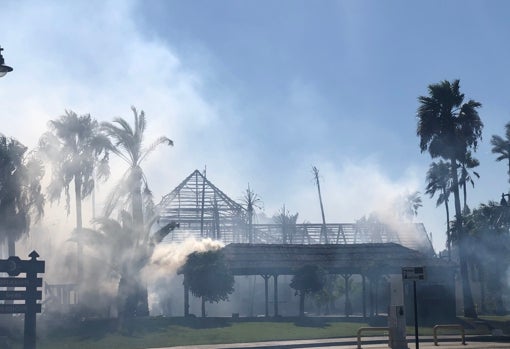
(449, 327)
(371, 329)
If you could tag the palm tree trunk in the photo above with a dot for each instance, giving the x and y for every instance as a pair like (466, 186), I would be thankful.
(79, 225)
(464, 192)
(509, 169)
(250, 225)
(448, 233)
(137, 204)
(138, 225)
(469, 307)
(301, 303)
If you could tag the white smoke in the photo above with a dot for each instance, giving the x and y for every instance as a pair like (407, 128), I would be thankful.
(161, 272)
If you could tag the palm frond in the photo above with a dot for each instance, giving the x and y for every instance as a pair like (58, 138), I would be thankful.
(154, 145)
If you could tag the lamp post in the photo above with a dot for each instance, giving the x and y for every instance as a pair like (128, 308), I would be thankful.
(503, 201)
(4, 69)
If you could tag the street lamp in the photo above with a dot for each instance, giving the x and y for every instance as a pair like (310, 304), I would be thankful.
(503, 201)
(4, 69)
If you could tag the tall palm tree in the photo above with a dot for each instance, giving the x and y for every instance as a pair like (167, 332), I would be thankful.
(128, 145)
(467, 163)
(252, 201)
(114, 244)
(76, 150)
(21, 197)
(439, 180)
(448, 127)
(502, 147)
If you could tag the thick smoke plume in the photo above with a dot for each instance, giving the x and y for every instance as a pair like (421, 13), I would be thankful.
(167, 258)
(161, 273)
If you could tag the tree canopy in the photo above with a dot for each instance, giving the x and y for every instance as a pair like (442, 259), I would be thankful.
(501, 147)
(308, 279)
(21, 197)
(207, 275)
(128, 145)
(449, 128)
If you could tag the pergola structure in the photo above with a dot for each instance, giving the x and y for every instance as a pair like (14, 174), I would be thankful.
(202, 210)
(371, 261)
(369, 249)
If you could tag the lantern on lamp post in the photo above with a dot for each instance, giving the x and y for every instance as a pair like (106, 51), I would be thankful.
(4, 69)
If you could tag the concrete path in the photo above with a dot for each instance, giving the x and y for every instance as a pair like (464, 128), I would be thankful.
(367, 342)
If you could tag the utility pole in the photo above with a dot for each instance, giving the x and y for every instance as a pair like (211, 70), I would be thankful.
(323, 229)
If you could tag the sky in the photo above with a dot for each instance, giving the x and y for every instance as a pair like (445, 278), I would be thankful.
(260, 91)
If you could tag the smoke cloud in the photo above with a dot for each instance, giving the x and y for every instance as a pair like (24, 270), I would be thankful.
(161, 273)
(168, 257)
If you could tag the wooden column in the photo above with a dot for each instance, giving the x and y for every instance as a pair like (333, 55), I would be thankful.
(266, 292)
(347, 307)
(364, 291)
(275, 277)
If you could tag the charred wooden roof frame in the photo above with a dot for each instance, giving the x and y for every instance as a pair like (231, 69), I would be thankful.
(203, 210)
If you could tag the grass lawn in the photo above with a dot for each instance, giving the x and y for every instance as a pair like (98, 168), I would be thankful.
(161, 332)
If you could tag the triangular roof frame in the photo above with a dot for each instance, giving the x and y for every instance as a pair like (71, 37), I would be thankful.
(197, 183)
(201, 208)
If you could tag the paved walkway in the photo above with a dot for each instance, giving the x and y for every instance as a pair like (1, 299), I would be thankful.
(368, 343)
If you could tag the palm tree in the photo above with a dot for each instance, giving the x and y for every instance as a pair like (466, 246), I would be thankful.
(251, 201)
(20, 191)
(288, 222)
(77, 150)
(128, 145)
(410, 203)
(114, 243)
(502, 147)
(468, 162)
(438, 179)
(448, 128)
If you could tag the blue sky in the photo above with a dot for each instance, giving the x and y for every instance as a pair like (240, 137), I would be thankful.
(260, 91)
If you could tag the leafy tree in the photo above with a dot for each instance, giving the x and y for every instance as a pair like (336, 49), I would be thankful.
(76, 149)
(488, 227)
(501, 147)
(20, 191)
(208, 277)
(448, 127)
(332, 290)
(439, 180)
(308, 279)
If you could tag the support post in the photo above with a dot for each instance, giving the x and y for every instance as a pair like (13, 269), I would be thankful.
(30, 324)
(266, 292)
(275, 277)
(364, 291)
(348, 307)
(417, 341)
